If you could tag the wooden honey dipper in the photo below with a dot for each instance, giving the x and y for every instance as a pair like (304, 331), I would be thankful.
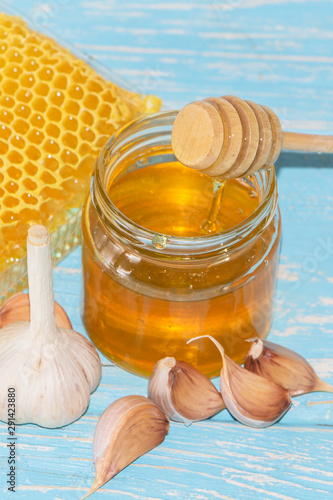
(228, 137)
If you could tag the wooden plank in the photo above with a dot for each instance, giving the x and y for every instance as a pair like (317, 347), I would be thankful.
(273, 463)
(215, 457)
(276, 53)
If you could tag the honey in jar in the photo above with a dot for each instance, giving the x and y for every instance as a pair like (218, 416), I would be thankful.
(159, 271)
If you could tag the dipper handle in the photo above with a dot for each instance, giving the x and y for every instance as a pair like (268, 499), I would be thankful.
(228, 137)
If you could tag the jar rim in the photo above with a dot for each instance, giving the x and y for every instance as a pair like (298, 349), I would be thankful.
(111, 217)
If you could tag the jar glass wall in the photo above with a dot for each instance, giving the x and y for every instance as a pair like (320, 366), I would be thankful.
(150, 287)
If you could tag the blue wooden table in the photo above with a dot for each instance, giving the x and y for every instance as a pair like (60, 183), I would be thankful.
(276, 53)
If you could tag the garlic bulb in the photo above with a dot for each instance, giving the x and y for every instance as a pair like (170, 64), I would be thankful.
(53, 370)
(182, 392)
(284, 367)
(127, 429)
(17, 308)
(251, 399)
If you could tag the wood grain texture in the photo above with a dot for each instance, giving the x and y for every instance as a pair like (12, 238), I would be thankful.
(295, 141)
(277, 53)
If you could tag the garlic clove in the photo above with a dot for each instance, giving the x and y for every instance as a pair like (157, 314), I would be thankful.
(251, 399)
(182, 392)
(130, 427)
(284, 367)
(53, 370)
(17, 308)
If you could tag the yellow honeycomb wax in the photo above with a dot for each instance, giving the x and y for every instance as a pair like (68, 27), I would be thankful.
(56, 113)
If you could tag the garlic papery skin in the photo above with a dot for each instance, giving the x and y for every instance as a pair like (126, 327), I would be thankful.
(17, 308)
(252, 400)
(130, 427)
(284, 367)
(182, 392)
(52, 369)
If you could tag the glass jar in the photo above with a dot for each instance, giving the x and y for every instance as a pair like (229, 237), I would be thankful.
(147, 293)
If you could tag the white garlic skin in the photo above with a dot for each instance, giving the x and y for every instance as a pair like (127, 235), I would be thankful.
(248, 395)
(251, 399)
(159, 391)
(182, 392)
(52, 381)
(128, 428)
(284, 367)
(53, 370)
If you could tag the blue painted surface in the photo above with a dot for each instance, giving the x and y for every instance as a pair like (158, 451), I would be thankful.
(276, 53)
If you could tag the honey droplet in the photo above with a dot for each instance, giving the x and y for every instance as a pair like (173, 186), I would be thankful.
(160, 241)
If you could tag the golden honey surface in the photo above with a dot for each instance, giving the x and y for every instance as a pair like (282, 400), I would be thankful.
(56, 113)
(138, 310)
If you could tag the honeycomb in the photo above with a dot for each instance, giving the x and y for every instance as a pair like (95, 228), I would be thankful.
(56, 113)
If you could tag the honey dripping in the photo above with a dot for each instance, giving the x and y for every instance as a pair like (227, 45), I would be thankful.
(210, 224)
(133, 304)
